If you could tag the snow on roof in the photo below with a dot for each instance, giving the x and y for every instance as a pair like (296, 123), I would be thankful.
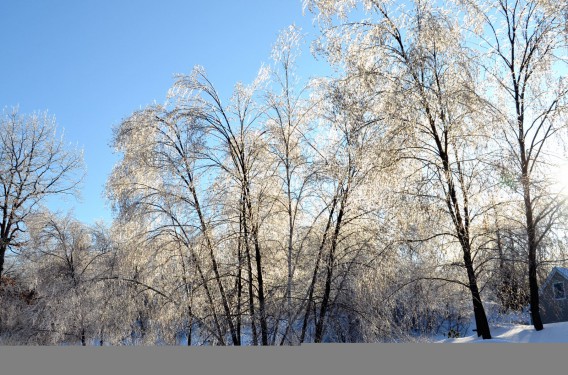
(561, 270)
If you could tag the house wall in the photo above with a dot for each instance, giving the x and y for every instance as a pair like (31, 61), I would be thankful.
(554, 310)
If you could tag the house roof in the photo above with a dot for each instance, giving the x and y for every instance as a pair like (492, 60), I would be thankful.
(556, 270)
(563, 271)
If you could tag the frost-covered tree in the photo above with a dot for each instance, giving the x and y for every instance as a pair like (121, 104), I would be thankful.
(157, 185)
(288, 128)
(65, 269)
(239, 159)
(413, 57)
(521, 47)
(348, 162)
(185, 163)
(35, 163)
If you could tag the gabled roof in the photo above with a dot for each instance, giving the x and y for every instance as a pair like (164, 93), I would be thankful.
(562, 271)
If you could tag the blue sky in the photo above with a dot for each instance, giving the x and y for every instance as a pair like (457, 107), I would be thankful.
(91, 63)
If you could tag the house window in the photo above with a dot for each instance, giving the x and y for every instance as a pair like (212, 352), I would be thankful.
(558, 289)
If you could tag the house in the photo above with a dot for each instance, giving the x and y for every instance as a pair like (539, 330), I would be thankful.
(554, 296)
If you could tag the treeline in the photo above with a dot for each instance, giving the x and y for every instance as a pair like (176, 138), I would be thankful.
(405, 195)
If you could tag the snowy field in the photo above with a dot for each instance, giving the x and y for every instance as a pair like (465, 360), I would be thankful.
(518, 333)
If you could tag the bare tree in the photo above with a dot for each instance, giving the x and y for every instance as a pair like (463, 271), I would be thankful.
(34, 163)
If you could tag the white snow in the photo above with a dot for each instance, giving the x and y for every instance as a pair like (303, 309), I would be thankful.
(518, 333)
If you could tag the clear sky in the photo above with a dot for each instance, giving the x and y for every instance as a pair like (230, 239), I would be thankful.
(91, 63)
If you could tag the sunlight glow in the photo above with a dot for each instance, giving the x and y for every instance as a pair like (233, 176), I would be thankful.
(560, 178)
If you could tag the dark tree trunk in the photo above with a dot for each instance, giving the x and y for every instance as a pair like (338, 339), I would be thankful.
(533, 281)
(239, 280)
(261, 299)
(258, 261)
(310, 301)
(204, 228)
(461, 219)
(320, 326)
(478, 310)
(461, 224)
(2, 254)
(252, 313)
(531, 237)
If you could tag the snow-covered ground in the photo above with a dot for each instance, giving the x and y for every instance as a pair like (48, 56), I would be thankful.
(519, 333)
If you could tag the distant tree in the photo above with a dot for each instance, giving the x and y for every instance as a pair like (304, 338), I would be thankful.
(35, 163)
(65, 269)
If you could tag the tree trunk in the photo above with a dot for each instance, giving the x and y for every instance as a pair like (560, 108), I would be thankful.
(310, 301)
(252, 313)
(258, 262)
(3, 248)
(261, 298)
(461, 224)
(478, 310)
(209, 243)
(533, 281)
(290, 246)
(320, 326)
(209, 298)
(239, 280)
(531, 225)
